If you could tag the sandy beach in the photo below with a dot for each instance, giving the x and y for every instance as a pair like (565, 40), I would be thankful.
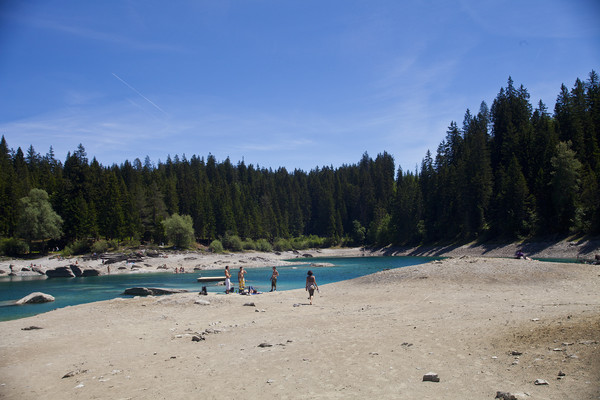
(482, 324)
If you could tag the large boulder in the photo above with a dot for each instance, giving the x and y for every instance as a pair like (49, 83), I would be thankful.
(90, 272)
(60, 272)
(143, 291)
(36, 297)
(76, 270)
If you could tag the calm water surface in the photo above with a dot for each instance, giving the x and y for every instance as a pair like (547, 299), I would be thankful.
(72, 291)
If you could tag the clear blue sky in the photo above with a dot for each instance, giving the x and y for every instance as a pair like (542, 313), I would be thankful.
(297, 83)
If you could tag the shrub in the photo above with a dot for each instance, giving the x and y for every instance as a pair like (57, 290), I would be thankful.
(67, 251)
(99, 246)
(179, 230)
(264, 246)
(315, 242)
(249, 244)
(232, 242)
(216, 246)
(282, 245)
(81, 246)
(131, 243)
(13, 247)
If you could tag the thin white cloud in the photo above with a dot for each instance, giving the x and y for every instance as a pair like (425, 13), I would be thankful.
(96, 35)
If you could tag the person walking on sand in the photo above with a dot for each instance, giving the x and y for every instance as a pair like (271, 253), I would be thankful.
(241, 279)
(227, 279)
(274, 279)
(311, 285)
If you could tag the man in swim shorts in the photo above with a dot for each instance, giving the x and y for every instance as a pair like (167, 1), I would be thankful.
(274, 279)
(227, 280)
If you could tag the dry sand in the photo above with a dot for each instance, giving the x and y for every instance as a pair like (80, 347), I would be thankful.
(371, 337)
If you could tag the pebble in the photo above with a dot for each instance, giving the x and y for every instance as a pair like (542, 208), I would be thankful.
(540, 382)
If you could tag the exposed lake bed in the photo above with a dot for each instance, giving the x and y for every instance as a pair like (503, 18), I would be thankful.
(481, 324)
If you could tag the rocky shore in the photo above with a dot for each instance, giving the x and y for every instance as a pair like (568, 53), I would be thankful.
(194, 261)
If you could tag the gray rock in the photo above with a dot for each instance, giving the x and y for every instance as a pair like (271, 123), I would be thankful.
(251, 304)
(76, 269)
(60, 272)
(31, 328)
(431, 377)
(90, 272)
(35, 298)
(540, 382)
(152, 253)
(505, 396)
(322, 265)
(197, 338)
(143, 291)
(202, 302)
(265, 345)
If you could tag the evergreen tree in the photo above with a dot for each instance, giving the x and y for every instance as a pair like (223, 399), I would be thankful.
(565, 183)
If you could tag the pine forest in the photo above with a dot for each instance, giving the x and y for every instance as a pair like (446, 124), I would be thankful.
(509, 171)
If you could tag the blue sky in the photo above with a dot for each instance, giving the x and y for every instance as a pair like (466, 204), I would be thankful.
(295, 84)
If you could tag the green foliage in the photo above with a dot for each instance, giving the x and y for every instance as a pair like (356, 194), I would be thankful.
(264, 246)
(13, 247)
(78, 247)
(359, 233)
(100, 246)
(179, 230)
(565, 183)
(232, 242)
(216, 246)
(248, 244)
(38, 221)
(281, 244)
(500, 174)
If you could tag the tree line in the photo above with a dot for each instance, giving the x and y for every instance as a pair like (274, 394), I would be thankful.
(509, 171)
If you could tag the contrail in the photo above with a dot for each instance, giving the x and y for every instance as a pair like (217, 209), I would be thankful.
(141, 95)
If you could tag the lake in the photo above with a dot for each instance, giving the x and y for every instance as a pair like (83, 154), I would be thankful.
(72, 291)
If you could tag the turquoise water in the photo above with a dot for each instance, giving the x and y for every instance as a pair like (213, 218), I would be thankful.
(72, 291)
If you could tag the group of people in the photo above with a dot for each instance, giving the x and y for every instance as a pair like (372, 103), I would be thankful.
(180, 270)
(311, 283)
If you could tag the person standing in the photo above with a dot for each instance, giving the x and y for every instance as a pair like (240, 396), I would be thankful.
(241, 279)
(227, 279)
(311, 285)
(274, 277)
